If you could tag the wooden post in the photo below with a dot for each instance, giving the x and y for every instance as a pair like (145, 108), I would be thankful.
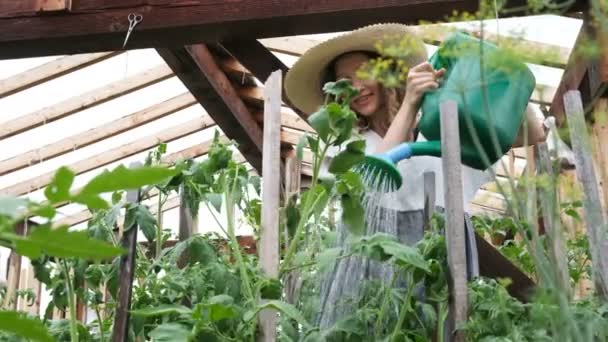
(552, 223)
(596, 227)
(454, 208)
(292, 188)
(600, 148)
(127, 272)
(429, 198)
(188, 223)
(271, 166)
(14, 272)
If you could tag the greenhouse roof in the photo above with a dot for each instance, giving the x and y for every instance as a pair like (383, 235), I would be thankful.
(95, 110)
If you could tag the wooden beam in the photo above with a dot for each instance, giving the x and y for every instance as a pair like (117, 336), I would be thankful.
(112, 155)
(544, 54)
(84, 101)
(197, 69)
(98, 25)
(97, 134)
(49, 71)
(188, 153)
(257, 58)
(584, 72)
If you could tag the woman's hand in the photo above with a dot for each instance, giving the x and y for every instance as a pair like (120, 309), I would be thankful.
(420, 79)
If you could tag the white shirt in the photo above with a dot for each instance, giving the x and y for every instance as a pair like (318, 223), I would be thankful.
(411, 194)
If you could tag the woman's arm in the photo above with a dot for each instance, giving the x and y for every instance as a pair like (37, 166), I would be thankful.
(420, 79)
(536, 129)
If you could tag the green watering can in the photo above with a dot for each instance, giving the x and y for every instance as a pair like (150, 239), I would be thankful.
(491, 97)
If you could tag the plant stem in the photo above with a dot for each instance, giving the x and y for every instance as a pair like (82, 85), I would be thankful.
(234, 242)
(102, 338)
(159, 225)
(405, 307)
(385, 301)
(441, 316)
(299, 230)
(71, 304)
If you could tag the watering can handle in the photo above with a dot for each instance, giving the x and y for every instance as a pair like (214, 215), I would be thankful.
(398, 153)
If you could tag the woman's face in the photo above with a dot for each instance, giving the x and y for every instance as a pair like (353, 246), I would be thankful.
(369, 101)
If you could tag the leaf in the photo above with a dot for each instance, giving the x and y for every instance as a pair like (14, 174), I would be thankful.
(573, 213)
(122, 178)
(116, 197)
(353, 214)
(287, 309)
(255, 181)
(46, 211)
(92, 201)
(313, 143)
(221, 307)
(319, 199)
(23, 326)
(319, 121)
(327, 258)
(63, 244)
(340, 89)
(161, 310)
(352, 155)
(9, 206)
(59, 188)
(270, 288)
(146, 222)
(200, 250)
(215, 200)
(300, 146)
(170, 332)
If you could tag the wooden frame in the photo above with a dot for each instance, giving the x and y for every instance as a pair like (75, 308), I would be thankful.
(84, 101)
(97, 134)
(113, 155)
(197, 69)
(50, 71)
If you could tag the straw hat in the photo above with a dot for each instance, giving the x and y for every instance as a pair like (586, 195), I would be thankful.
(303, 81)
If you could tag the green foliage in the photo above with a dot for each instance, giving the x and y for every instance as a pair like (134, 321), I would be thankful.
(23, 326)
(60, 242)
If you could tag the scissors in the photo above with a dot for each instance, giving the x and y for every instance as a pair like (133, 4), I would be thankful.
(134, 19)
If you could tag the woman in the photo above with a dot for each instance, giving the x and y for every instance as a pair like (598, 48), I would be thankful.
(388, 118)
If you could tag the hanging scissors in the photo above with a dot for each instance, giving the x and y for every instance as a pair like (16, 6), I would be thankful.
(134, 19)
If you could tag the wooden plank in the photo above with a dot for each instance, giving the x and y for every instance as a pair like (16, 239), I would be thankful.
(552, 224)
(196, 68)
(97, 134)
(112, 155)
(493, 264)
(454, 209)
(127, 273)
(84, 101)
(269, 236)
(50, 71)
(594, 219)
(100, 25)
